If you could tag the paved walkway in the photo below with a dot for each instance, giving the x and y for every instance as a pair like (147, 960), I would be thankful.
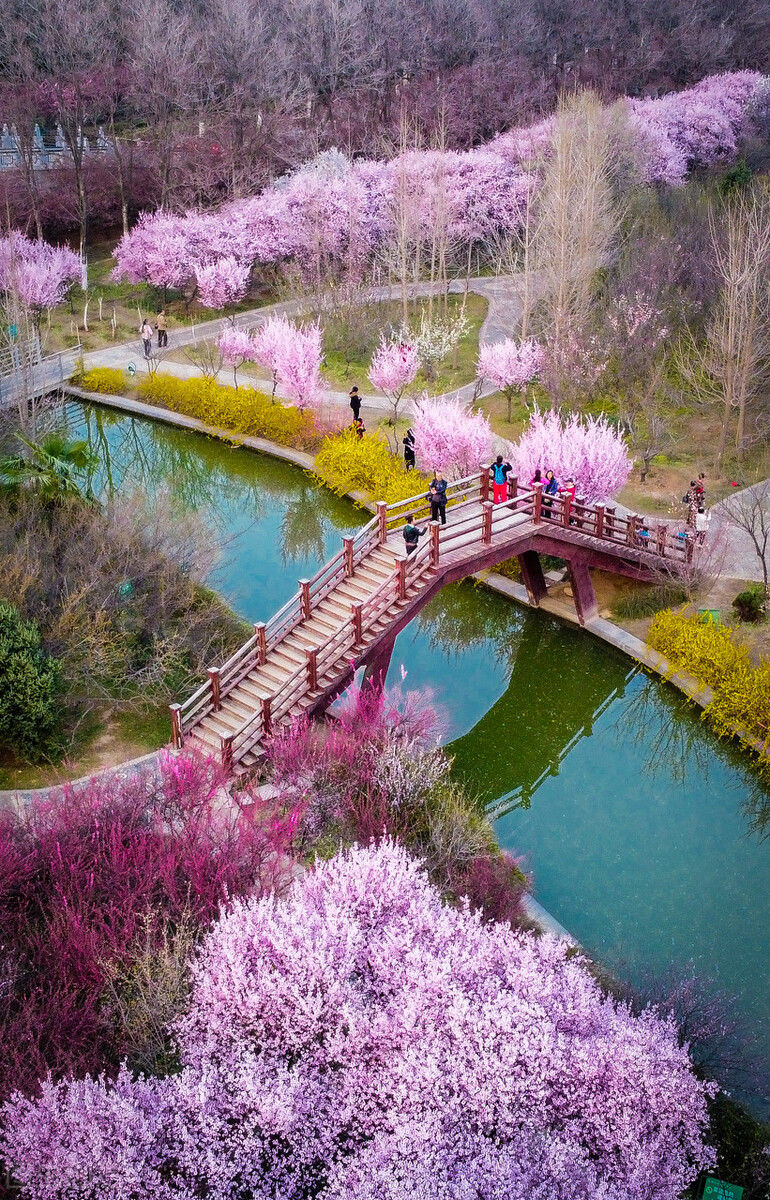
(740, 556)
(503, 314)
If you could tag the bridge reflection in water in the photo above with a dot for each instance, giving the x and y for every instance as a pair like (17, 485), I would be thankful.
(552, 701)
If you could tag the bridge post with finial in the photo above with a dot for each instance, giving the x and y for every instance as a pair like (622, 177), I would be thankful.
(382, 520)
(435, 536)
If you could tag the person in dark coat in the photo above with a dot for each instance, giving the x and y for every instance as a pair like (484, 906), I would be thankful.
(437, 498)
(355, 401)
(412, 534)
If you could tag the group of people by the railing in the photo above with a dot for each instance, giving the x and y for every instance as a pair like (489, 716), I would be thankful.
(550, 488)
(698, 517)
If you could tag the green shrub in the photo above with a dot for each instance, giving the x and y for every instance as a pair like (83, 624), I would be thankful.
(30, 681)
(108, 380)
(346, 463)
(236, 410)
(750, 603)
(647, 602)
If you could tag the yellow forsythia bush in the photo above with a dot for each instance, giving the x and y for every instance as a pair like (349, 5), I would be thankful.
(237, 410)
(108, 380)
(714, 657)
(346, 463)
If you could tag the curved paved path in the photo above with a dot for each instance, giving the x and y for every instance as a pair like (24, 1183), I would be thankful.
(503, 314)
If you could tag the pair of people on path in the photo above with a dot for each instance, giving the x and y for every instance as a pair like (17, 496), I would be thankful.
(146, 332)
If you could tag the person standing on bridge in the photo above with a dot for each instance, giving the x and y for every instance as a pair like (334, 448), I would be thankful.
(437, 498)
(550, 489)
(355, 401)
(499, 471)
(412, 534)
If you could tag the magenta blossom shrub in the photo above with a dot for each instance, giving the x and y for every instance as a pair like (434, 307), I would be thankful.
(88, 875)
(588, 449)
(450, 436)
(360, 1039)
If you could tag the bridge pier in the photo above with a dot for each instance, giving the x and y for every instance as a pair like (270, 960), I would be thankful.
(582, 590)
(376, 668)
(532, 575)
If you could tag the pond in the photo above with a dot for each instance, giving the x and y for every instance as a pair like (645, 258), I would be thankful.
(644, 834)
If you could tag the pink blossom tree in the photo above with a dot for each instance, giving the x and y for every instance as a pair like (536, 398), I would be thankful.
(236, 347)
(394, 366)
(510, 365)
(586, 449)
(38, 274)
(361, 1038)
(298, 365)
(221, 283)
(450, 436)
(270, 340)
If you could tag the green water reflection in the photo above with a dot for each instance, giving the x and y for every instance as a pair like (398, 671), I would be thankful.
(644, 834)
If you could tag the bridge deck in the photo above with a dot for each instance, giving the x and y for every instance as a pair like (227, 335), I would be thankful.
(360, 600)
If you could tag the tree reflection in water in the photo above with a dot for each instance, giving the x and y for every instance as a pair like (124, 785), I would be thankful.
(671, 730)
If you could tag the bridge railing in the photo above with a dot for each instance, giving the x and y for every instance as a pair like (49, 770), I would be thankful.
(338, 650)
(471, 517)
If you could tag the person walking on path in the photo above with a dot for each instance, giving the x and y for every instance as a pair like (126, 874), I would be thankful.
(409, 459)
(145, 333)
(702, 519)
(412, 534)
(550, 489)
(355, 401)
(161, 324)
(499, 471)
(437, 498)
(700, 488)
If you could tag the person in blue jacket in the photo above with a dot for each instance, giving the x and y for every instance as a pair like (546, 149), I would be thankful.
(550, 489)
(499, 471)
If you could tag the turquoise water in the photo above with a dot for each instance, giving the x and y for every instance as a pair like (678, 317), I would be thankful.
(645, 836)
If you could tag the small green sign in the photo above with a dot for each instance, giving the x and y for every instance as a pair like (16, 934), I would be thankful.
(131, 368)
(717, 1189)
(126, 588)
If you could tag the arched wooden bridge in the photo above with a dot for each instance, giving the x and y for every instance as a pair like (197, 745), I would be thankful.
(350, 613)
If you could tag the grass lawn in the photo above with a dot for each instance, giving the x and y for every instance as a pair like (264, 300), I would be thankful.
(104, 739)
(495, 408)
(343, 370)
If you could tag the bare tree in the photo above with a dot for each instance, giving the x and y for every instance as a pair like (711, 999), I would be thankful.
(749, 511)
(577, 219)
(731, 368)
